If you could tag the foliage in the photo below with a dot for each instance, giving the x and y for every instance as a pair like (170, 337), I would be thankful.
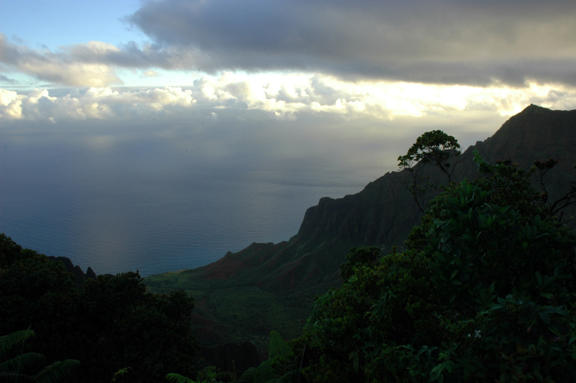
(122, 375)
(16, 366)
(277, 368)
(484, 292)
(434, 146)
(359, 257)
(568, 199)
(10, 341)
(177, 378)
(56, 371)
(209, 374)
(110, 323)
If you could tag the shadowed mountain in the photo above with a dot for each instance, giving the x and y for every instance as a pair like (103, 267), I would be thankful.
(244, 295)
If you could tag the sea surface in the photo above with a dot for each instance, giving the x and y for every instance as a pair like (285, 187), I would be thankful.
(122, 200)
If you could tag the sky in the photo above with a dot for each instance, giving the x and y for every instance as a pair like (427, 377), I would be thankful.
(63, 59)
(317, 97)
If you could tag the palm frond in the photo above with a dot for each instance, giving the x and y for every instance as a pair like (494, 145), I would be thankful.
(177, 378)
(9, 341)
(14, 377)
(56, 371)
(30, 361)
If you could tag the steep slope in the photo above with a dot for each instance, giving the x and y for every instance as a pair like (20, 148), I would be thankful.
(272, 285)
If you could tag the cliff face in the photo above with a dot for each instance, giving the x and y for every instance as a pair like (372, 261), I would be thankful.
(382, 214)
(378, 214)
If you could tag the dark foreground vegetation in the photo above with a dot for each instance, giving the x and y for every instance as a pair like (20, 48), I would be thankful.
(109, 323)
(483, 290)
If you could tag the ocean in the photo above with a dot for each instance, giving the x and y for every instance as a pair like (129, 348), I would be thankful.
(153, 200)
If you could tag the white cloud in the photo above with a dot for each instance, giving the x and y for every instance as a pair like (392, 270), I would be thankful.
(284, 94)
(280, 95)
(92, 103)
(10, 105)
(92, 50)
(61, 67)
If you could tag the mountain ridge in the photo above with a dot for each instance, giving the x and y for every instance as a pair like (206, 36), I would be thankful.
(289, 274)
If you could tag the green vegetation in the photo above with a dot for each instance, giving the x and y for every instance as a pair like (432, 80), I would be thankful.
(109, 323)
(17, 366)
(435, 147)
(242, 311)
(278, 368)
(485, 291)
(177, 378)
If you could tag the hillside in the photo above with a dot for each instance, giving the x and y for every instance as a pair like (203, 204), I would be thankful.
(271, 286)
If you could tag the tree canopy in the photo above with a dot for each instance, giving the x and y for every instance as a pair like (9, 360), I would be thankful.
(434, 146)
(20, 367)
(485, 291)
(109, 323)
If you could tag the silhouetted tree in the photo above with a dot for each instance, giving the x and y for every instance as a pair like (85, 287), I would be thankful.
(434, 147)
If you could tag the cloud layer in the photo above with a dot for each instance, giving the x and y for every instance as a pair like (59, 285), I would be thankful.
(59, 68)
(446, 41)
(281, 96)
(441, 42)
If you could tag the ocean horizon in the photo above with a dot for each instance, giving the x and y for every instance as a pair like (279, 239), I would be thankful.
(119, 201)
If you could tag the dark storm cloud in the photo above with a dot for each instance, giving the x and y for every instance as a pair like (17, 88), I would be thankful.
(449, 41)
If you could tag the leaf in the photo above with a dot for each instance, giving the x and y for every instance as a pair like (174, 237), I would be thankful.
(8, 342)
(278, 348)
(8, 377)
(56, 371)
(437, 373)
(177, 378)
(30, 361)
(121, 374)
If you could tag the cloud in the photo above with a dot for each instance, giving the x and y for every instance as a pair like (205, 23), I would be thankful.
(91, 64)
(93, 104)
(447, 41)
(10, 105)
(442, 42)
(277, 96)
(7, 79)
(57, 67)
